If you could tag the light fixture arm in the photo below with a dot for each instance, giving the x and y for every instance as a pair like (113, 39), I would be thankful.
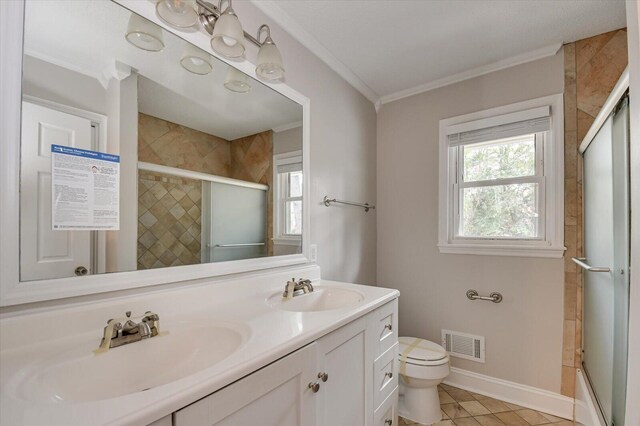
(212, 13)
(267, 40)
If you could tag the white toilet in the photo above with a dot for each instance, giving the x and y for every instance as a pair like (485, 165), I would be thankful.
(423, 365)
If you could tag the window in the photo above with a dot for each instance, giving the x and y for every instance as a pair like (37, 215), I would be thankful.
(501, 181)
(288, 198)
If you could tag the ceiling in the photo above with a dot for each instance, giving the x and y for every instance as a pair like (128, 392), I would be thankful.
(390, 48)
(59, 32)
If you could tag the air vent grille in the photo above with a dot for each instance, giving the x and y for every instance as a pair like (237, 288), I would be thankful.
(463, 345)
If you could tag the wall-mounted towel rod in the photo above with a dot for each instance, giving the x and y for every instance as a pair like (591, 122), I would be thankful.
(366, 206)
(494, 297)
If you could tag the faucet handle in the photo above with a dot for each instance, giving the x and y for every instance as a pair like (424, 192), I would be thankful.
(150, 316)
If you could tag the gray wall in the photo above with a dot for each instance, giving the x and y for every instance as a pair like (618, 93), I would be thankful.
(524, 332)
(343, 156)
(287, 141)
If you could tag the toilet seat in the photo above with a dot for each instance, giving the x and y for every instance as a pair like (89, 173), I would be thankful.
(421, 352)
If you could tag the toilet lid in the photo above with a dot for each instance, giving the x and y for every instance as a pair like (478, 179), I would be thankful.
(422, 352)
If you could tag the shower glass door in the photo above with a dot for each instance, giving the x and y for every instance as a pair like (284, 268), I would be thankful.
(606, 264)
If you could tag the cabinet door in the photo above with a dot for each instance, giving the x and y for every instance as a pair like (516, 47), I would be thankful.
(276, 395)
(345, 398)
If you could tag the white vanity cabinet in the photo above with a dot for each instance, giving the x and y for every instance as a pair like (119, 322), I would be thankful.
(347, 377)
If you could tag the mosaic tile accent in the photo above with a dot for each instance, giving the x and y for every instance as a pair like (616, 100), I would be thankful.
(462, 408)
(169, 218)
(592, 67)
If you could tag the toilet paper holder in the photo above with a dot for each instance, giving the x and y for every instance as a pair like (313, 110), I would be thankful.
(494, 297)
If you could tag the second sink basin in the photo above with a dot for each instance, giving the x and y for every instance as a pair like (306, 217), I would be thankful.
(322, 299)
(81, 375)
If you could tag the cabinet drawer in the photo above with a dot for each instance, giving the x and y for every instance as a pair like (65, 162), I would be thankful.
(386, 328)
(385, 375)
(386, 414)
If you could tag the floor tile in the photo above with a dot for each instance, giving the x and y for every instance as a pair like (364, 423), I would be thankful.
(564, 423)
(454, 411)
(494, 405)
(479, 396)
(552, 419)
(514, 407)
(510, 418)
(467, 421)
(460, 395)
(474, 408)
(444, 415)
(532, 417)
(444, 423)
(447, 387)
(489, 420)
(445, 398)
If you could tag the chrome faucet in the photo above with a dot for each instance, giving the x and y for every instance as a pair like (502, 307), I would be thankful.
(116, 334)
(294, 288)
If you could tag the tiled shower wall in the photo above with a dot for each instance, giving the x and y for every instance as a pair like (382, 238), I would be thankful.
(592, 68)
(168, 220)
(169, 208)
(252, 160)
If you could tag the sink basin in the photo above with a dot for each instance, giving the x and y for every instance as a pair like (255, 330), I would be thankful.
(81, 375)
(322, 299)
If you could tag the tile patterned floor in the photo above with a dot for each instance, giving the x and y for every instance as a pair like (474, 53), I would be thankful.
(462, 408)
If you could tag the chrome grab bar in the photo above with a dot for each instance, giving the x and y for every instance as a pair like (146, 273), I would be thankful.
(580, 261)
(366, 206)
(494, 297)
(237, 245)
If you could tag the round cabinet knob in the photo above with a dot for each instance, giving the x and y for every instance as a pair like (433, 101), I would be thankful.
(388, 327)
(81, 271)
(315, 387)
(389, 375)
(323, 376)
(388, 422)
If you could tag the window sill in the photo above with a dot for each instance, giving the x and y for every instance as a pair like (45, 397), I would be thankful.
(287, 241)
(502, 250)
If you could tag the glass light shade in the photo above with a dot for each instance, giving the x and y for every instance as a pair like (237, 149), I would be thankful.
(196, 61)
(177, 13)
(144, 34)
(228, 37)
(237, 81)
(269, 62)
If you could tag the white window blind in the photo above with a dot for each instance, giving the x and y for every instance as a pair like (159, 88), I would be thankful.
(505, 126)
(288, 168)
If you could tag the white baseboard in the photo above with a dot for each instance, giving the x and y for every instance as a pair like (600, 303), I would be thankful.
(515, 393)
(586, 411)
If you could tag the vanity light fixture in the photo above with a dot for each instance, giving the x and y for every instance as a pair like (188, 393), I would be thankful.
(196, 61)
(177, 13)
(228, 39)
(269, 61)
(227, 36)
(144, 34)
(237, 81)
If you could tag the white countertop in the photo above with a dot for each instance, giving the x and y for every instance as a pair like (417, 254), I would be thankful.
(269, 334)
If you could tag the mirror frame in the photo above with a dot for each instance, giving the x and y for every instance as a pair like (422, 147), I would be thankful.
(15, 292)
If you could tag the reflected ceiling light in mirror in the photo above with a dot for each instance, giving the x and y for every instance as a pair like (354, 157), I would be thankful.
(177, 13)
(237, 81)
(144, 34)
(269, 63)
(228, 37)
(196, 61)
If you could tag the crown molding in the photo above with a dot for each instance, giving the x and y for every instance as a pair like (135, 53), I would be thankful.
(474, 72)
(282, 18)
(288, 126)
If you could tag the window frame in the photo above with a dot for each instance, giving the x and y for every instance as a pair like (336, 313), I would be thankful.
(549, 241)
(280, 237)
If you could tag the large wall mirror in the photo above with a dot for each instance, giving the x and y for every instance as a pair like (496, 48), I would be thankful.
(141, 151)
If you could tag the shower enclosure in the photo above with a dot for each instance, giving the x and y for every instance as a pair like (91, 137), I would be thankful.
(606, 261)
